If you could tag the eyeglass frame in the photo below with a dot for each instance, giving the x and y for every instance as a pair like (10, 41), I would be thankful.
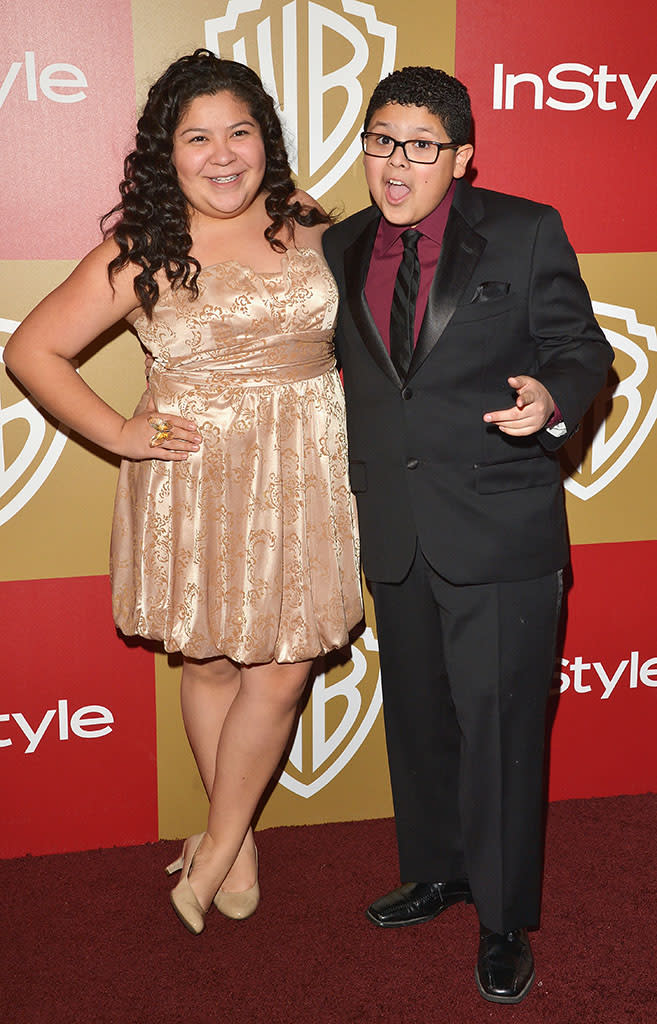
(396, 142)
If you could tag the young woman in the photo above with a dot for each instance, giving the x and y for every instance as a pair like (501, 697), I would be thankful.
(234, 537)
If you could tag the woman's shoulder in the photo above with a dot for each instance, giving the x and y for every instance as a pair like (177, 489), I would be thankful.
(99, 258)
(306, 200)
(309, 236)
(92, 277)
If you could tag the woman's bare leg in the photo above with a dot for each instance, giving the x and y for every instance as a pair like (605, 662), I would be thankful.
(208, 688)
(253, 718)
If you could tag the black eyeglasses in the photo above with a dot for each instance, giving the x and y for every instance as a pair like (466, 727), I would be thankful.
(424, 151)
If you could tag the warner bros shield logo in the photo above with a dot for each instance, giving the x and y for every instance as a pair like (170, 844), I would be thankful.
(624, 413)
(340, 713)
(29, 445)
(320, 62)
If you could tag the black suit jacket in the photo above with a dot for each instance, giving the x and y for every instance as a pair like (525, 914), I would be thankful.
(507, 299)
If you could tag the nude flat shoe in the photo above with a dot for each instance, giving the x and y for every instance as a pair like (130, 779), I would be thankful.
(183, 897)
(239, 905)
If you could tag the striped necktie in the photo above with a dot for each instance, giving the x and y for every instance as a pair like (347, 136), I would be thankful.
(404, 298)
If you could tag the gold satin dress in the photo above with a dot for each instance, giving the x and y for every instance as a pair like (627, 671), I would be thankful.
(249, 547)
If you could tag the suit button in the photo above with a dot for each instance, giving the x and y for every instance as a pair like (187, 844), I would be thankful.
(407, 393)
(412, 463)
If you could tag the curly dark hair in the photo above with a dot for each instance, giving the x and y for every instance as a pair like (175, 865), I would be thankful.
(151, 224)
(442, 95)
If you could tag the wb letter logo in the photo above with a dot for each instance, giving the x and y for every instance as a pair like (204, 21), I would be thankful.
(25, 460)
(633, 405)
(337, 720)
(299, 44)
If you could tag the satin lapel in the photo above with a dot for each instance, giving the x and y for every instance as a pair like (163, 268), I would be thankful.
(356, 264)
(460, 252)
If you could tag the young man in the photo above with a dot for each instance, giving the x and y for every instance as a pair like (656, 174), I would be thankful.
(470, 353)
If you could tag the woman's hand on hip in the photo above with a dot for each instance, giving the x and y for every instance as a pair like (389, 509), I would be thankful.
(154, 435)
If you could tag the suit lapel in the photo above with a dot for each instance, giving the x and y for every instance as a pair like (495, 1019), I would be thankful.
(460, 252)
(356, 264)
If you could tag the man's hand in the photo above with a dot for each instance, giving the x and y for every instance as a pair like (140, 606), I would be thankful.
(534, 407)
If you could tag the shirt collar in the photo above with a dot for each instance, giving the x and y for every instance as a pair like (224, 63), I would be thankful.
(433, 225)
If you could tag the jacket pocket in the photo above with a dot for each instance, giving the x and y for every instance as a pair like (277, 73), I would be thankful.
(539, 471)
(489, 290)
(358, 476)
(477, 311)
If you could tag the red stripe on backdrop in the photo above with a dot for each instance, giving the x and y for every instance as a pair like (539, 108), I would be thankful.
(603, 740)
(67, 113)
(564, 97)
(77, 722)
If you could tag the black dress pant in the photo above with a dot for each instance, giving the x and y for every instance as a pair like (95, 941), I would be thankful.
(466, 671)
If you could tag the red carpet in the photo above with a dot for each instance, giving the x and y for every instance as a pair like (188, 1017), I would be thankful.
(90, 938)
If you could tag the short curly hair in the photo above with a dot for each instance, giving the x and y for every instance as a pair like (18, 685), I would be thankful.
(442, 95)
(151, 222)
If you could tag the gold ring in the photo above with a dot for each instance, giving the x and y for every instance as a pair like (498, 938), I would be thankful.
(159, 438)
(163, 431)
(158, 424)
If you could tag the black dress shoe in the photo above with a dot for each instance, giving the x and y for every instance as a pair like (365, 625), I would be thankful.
(505, 967)
(415, 902)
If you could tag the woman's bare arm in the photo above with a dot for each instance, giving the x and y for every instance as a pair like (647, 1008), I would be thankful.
(41, 353)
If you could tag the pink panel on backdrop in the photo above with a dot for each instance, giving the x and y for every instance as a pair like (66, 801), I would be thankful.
(67, 115)
(603, 741)
(590, 147)
(77, 722)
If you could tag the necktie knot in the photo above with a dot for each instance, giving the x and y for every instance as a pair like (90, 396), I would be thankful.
(410, 238)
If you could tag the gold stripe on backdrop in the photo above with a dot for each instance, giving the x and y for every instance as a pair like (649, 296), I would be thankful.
(612, 498)
(63, 529)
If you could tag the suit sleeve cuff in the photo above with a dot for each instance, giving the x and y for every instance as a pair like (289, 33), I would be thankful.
(555, 425)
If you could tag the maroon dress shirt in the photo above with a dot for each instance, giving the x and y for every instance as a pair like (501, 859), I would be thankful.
(386, 257)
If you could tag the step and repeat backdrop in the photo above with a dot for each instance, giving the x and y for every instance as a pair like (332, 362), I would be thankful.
(92, 749)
